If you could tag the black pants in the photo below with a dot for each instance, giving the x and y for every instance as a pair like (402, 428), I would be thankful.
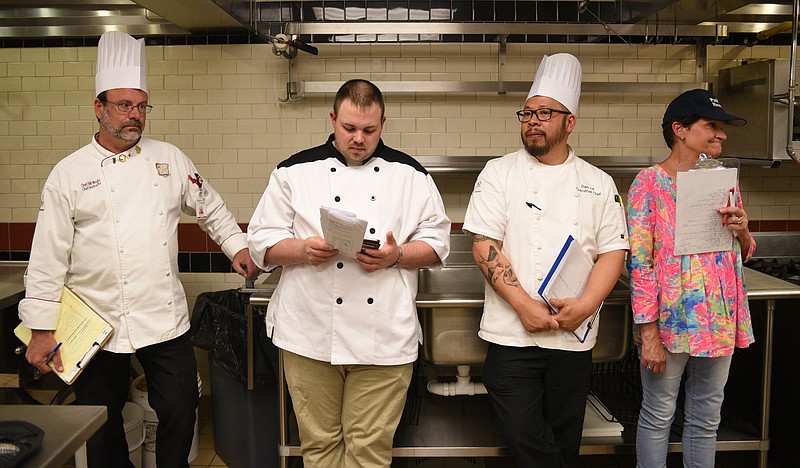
(539, 400)
(171, 373)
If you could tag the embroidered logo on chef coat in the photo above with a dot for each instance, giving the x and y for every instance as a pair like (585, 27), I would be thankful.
(92, 184)
(162, 169)
(583, 188)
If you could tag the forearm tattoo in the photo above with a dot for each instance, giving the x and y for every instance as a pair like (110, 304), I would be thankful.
(496, 271)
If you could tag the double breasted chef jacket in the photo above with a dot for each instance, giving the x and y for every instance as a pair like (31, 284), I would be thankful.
(532, 208)
(107, 229)
(336, 312)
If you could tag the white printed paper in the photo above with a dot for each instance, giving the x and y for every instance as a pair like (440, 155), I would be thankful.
(342, 229)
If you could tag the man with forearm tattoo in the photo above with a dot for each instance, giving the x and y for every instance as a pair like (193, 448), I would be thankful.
(523, 208)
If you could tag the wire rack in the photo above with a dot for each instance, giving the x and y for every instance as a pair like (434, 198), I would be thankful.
(618, 386)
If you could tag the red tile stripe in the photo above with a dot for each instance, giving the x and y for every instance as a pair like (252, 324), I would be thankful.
(17, 237)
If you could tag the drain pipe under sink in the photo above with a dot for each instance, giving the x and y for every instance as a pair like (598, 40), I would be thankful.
(462, 386)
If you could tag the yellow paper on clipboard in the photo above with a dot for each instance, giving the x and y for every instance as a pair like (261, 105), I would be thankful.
(80, 331)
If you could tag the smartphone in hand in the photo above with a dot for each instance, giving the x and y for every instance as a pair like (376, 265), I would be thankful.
(370, 244)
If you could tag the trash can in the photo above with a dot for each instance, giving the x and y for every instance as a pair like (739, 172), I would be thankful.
(245, 420)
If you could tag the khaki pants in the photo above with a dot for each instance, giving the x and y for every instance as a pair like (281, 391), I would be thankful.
(346, 415)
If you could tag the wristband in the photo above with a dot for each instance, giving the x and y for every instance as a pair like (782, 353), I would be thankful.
(399, 257)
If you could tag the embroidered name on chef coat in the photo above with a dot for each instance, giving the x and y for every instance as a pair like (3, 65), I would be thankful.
(583, 188)
(92, 184)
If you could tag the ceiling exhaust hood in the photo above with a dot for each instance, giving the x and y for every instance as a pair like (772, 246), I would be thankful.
(582, 21)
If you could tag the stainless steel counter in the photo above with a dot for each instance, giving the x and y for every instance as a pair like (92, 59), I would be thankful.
(760, 286)
(456, 427)
(11, 287)
(66, 429)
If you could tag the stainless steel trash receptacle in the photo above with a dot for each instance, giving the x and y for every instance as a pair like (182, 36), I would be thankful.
(245, 422)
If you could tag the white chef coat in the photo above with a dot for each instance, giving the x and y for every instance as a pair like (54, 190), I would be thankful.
(108, 229)
(337, 312)
(532, 208)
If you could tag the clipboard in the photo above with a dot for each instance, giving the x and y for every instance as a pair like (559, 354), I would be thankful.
(702, 187)
(568, 277)
(80, 331)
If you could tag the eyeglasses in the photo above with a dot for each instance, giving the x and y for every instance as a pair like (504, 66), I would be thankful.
(543, 114)
(126, 107)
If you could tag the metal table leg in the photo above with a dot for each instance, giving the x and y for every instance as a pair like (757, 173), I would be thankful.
(283, 423)
(766, 378)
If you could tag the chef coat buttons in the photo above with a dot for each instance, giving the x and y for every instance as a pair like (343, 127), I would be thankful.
(339, 300)
(575, 222)
(538, 217)
(169, 302)
(333, 169)
(116, 220)
(164, 244)
(160, 213)
(155, 184)
(370, 300)
(112, 189)
(168, 273)
(538, 278)
(125, 282)
(121, 250)
(340, 265)
(377, 169)
(538, 247)
(576, 195)
(372, 230)
(372, 198)
(337, 198)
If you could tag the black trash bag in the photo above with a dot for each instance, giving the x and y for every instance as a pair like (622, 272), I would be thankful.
(219, 325)
(18, 441)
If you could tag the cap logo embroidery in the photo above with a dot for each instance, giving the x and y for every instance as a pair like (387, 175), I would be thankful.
(714, 102)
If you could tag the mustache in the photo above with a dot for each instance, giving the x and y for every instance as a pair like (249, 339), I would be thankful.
(133, 123)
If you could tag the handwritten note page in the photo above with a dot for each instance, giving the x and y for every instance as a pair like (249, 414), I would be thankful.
(343, 230)
(80, 330)
(698, 224)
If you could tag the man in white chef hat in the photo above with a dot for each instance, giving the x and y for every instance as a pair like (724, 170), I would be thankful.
(107, 229)
(525, 208)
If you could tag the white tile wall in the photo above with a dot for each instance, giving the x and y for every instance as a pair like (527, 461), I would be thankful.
(219, 103)
(221, 100)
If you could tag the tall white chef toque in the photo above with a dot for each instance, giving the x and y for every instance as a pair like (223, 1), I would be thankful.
(558, 77)
(121, 63)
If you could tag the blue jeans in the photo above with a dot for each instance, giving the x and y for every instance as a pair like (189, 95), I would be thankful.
(705, 387)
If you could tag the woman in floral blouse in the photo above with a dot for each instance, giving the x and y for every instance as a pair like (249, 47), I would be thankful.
(690, 311)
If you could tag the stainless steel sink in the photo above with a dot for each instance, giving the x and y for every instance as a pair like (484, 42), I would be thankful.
(452, 312)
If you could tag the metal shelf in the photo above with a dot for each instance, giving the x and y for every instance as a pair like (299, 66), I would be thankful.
(501, 87)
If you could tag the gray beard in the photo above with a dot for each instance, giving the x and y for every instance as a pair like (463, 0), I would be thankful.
(105, 122)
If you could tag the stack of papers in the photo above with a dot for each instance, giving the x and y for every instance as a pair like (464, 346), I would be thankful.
(598, 422)
(342, 229)
(81, 332)
(567, 278)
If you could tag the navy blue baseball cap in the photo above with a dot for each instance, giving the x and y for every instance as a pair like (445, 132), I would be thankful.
(701, 103)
